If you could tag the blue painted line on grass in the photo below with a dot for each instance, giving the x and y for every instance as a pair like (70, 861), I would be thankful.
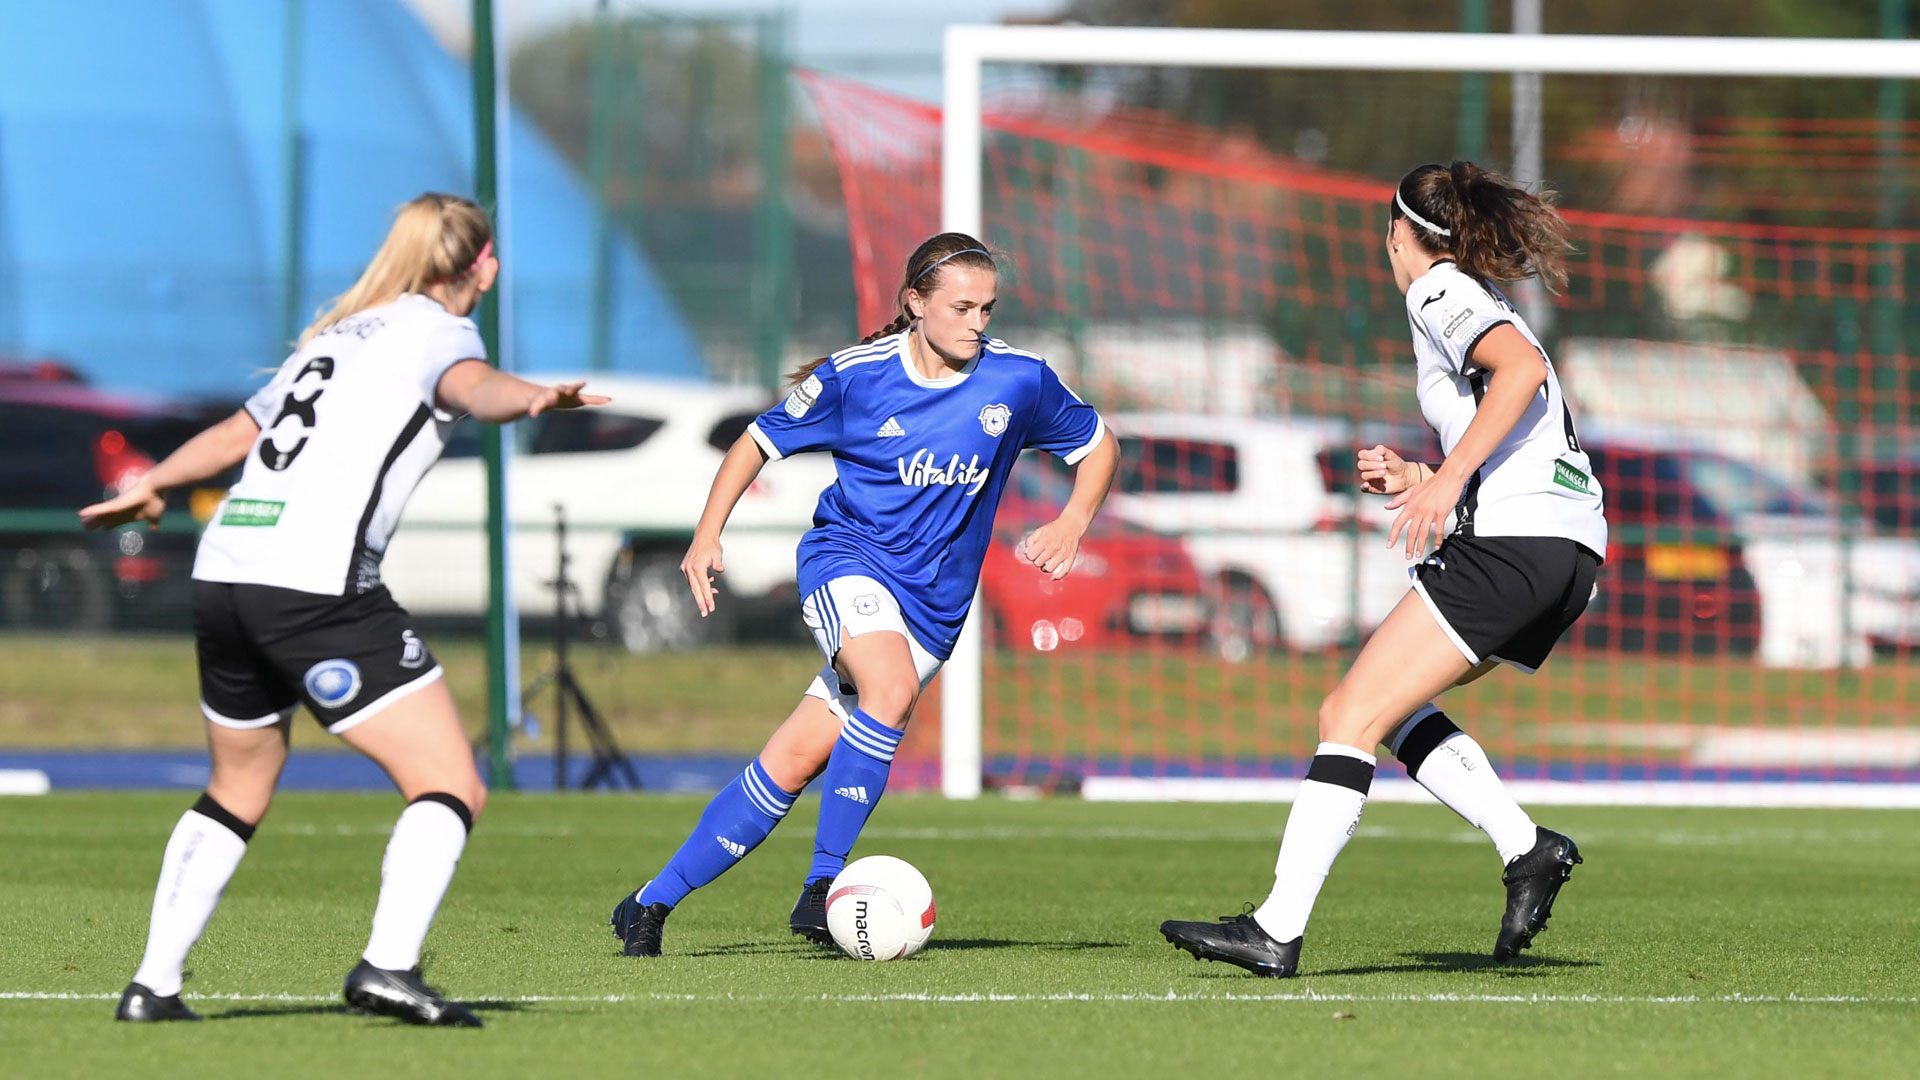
(337, 771)
(322, 770)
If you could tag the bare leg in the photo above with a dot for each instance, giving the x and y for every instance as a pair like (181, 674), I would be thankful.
(1408, 660)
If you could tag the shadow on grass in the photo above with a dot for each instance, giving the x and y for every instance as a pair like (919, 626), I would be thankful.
(1522, 966)
(256, 1012)
(798, 949)
(1007, 943)
(806, 950)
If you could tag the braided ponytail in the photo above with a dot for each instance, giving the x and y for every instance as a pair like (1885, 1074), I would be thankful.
(924, 270)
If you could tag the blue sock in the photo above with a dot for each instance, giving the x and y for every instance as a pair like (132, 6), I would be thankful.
(733, 824)
(850, 788)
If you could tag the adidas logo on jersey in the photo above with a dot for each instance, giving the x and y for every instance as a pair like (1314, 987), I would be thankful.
(892, 429)
(857, 794)
(737, 850)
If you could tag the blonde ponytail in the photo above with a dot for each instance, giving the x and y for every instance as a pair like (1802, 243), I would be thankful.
(435, 238)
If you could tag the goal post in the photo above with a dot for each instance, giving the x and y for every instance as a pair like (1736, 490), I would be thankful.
(1742, 776)
(968, 48)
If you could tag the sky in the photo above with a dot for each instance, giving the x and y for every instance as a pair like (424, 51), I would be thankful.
(890, 43)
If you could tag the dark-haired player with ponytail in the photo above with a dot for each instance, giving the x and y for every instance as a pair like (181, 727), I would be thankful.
(925, 418)
(1515, 573)
(288, 608)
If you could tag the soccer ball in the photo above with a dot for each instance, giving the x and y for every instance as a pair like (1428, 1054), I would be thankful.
(880, 908)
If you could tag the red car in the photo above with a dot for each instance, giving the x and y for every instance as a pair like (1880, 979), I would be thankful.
(1129, 583)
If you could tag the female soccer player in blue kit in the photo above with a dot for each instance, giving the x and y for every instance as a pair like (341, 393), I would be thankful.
(925, 419)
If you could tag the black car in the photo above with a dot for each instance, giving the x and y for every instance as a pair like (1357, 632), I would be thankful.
(63, 445)
(1676, 580)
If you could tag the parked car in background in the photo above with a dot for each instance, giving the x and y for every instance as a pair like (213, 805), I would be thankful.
(1128, 583)
(1890, 494)
(1270, 510)
(1676, 578)
(1880, 468)
(65, 444)
(632, 478)
(1827, 589)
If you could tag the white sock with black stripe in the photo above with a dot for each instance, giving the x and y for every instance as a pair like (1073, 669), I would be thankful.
(205, 849)
(421, 856)
(1324, 817)
(1450, 764)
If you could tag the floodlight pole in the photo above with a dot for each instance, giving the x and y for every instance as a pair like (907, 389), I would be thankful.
(293, 162)
(1528, 159)
(499, 602)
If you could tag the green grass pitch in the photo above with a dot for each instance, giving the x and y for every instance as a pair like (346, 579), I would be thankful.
(1692, 943)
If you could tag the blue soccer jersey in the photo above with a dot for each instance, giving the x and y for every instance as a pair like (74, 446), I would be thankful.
(921, 464)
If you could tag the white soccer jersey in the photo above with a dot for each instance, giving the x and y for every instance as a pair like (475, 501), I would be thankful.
(347, 429)
(1538, 481)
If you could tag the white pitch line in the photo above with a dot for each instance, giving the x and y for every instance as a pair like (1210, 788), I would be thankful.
(1171, 996)
(1660, 837)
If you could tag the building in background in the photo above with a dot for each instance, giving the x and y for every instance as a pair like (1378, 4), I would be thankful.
(160, 174)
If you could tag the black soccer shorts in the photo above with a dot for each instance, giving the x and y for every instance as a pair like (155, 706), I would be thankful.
(1507, 598)
(265, 650)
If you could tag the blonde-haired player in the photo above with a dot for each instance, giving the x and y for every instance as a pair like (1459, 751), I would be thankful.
(288, 608)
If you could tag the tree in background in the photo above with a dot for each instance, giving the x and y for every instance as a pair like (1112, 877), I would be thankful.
(1604, 134)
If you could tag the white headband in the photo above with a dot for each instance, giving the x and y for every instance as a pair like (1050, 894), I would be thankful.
(1416, 218)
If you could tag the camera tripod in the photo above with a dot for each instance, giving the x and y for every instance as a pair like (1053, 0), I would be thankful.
(610, 765)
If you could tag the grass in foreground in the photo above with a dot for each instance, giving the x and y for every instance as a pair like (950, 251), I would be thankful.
(1688, 945)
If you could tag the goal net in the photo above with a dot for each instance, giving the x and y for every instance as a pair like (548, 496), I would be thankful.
(1194, 226)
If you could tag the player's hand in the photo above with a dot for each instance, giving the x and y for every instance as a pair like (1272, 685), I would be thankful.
(702, 562)
(565, 395)
(1424, 508)
(1054, 546)
(1384, 472)
(138, 503)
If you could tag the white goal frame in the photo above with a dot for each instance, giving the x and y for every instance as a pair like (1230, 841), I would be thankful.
(969, 48)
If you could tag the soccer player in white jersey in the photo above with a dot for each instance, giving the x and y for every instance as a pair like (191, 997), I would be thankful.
(288, 607)
(1518, 569)
(925, 418)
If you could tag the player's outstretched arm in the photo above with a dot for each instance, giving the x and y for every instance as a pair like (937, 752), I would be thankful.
(737, 472)
(474, 387)
(1054, 546)
(209, 453)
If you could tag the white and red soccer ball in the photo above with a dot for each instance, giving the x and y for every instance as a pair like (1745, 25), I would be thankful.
(880, 908)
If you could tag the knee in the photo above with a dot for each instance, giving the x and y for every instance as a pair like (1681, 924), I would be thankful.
(793, 768)
(245, 797)
(471, 795)
(890, 701)
(1346, 721)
